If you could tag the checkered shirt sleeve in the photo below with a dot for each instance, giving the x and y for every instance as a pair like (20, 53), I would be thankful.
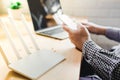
(103, 61)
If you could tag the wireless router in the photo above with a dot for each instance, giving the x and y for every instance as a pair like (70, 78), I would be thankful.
(36, 63)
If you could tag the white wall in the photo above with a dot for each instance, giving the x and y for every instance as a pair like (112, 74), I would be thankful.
(3, 7)
(105, 12)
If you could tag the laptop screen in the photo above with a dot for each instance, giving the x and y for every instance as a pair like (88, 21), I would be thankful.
(42, 11)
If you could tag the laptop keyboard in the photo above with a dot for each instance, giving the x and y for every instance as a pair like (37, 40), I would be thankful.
(54, 31)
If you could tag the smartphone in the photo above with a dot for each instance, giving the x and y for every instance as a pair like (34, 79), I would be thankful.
(68, 21)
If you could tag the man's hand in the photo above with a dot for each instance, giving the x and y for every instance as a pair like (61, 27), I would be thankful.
(79, 36)
(94, 28)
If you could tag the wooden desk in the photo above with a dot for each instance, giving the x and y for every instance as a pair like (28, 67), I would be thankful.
(66, 70)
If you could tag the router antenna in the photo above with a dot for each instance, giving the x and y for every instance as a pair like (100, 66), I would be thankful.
(4, 56)
(19, 35)
(29, 32)
(4, 26)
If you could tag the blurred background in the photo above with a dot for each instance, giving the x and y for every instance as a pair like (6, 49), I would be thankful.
(5, 4)
(106, 12)
(103, 12)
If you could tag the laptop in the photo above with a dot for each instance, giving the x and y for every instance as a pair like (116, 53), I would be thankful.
(45, 21)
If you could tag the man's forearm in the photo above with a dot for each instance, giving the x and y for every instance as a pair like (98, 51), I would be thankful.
(113, 34)
(103, 30)
(100, 30)
(101, 60)
(109, 32)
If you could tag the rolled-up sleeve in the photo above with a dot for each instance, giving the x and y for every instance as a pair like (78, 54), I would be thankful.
(113, 34)
(104, 62)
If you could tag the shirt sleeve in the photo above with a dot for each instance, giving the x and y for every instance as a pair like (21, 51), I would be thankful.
(113, 34)
(104, 62)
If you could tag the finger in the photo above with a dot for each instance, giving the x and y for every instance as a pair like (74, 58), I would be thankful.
(78, 27)
(85, 23)
(88, 23)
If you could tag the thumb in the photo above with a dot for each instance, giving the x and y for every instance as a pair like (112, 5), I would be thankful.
(79, 25)
(67, 28)
(84, 23)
